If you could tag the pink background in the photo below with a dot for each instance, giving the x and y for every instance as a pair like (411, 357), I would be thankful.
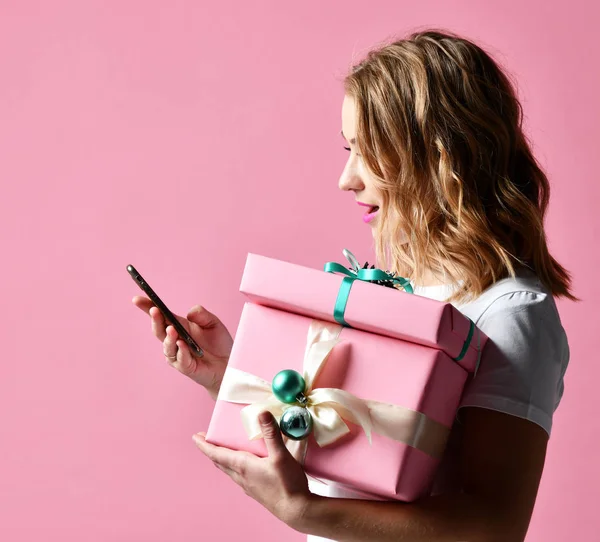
(178, 137)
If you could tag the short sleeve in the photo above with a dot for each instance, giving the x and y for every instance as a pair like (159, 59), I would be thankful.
(522, 366)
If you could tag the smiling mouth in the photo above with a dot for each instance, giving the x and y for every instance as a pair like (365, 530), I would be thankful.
(370, 214)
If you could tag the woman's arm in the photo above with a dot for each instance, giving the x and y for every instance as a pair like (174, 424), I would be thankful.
(502, 458)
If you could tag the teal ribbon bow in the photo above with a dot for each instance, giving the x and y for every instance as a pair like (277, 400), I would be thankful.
(373, 275)
(356, 273)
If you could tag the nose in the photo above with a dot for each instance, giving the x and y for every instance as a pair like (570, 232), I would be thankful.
(350, 179)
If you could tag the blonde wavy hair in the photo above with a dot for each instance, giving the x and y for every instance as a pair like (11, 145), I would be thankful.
(439, 128)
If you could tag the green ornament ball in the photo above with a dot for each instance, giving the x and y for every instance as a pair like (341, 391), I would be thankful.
(296, 423)
(287, 385)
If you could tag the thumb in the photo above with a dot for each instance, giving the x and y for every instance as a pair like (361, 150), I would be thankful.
(271, 434)
(200, 316)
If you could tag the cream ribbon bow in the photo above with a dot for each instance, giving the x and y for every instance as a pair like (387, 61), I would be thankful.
(329, 407)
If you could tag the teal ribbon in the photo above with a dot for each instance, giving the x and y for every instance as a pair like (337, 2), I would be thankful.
(372, 275)
(366, 275)
(465, 347)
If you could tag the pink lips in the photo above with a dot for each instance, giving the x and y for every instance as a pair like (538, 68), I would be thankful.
(368, 216)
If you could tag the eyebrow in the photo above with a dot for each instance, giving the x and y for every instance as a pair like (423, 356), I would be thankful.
(352, 141)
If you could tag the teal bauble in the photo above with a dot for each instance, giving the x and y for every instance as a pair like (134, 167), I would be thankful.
(296, 423)
(287, 385)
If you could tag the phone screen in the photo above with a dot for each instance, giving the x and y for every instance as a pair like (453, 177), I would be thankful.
(169, 316)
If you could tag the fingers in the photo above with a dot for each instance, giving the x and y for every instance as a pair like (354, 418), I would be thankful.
(203, 318)
(231, 460)
(156, 317)
(158, 324)
(170, 349)
(178, 353)
(271, 435)
(142, 303)
(184, 362)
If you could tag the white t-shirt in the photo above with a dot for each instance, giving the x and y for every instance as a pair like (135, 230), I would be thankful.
(521, 369)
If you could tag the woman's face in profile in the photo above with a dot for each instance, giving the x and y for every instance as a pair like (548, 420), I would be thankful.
(354, 176)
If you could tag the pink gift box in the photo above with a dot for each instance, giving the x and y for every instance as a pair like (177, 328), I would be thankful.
(370, 366)
(370, 307)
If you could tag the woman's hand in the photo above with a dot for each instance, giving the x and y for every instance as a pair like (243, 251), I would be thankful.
(277, 481)
(207, 330)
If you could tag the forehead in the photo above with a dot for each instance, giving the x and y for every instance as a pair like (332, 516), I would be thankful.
(348, 117)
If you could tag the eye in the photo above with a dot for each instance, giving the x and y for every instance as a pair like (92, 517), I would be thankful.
(349, 149)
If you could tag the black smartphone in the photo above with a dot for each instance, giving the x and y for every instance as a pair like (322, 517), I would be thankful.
(169, 316)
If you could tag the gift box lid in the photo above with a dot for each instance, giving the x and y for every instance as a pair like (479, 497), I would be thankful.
(370, 307)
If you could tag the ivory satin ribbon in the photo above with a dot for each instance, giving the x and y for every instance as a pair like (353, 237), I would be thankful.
(331, 408)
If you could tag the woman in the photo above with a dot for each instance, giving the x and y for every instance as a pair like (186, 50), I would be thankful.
(456, 202)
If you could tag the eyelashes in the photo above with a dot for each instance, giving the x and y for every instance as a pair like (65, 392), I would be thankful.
(349, 149)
